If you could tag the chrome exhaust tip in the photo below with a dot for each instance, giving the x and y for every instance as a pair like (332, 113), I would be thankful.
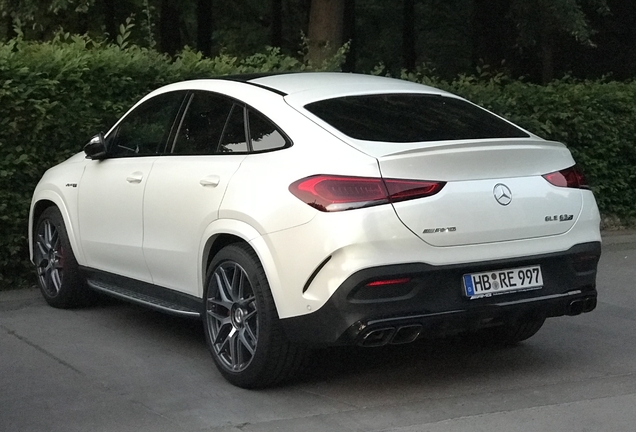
(590, 304)
(407, 334)
(576, 307)
(377, 337)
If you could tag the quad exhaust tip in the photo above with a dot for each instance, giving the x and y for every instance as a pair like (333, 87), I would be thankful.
(579, 306)
(391, 335)
(409, 333)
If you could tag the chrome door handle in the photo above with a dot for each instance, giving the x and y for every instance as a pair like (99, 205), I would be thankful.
(211, 180)
(135, 177)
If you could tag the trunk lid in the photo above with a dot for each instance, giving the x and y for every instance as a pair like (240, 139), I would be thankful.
(495, 190)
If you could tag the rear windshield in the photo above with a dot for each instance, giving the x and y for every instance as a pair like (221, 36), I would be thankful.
(405, 118)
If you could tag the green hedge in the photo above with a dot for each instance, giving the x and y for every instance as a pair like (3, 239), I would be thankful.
(597, 121)
(56, 95)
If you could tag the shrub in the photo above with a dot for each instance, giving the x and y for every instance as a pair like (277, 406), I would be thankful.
(57, 94)
(597, 121)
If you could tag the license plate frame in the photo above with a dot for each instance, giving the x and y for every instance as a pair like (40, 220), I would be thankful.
(503, 281)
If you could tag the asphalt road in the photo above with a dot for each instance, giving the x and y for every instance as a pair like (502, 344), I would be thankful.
(117, 367)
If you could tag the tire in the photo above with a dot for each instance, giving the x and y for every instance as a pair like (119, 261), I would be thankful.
(510, 333)
(241, 323)
(57, 270)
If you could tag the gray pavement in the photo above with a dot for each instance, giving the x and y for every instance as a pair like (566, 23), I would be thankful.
(118, 367)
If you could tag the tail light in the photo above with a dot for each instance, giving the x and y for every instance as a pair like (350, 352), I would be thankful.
(330, 193)
(570, 177)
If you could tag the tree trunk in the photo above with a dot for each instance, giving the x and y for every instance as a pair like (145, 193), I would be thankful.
(205, 26)
(408, 35)
(547, 57)
(169, 31)
(492, 35)
(110, 22)
(277, 23)
(349, 35)
(9, 23)
(326, 19)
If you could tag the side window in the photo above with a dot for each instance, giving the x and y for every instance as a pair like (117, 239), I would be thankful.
(215, 124)
(201, 128)
(233, 139)
(264, 134)
(144, 131)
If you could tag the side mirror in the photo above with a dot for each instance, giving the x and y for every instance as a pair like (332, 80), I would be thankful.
(96, 147)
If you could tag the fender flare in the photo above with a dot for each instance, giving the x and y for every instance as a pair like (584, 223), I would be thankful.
(255, 240)
(53, 195)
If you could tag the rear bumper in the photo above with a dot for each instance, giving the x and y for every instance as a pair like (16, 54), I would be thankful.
(432, 302)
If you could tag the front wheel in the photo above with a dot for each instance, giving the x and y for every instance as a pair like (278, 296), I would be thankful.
(58, 273)
(241, 323)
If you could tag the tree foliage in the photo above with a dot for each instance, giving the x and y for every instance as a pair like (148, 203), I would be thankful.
(541, 22)
(55, 95)
(536, 39)
(57, 89)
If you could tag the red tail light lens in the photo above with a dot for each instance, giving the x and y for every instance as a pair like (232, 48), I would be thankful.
(570, 177)
(402, 190)
(336, 193)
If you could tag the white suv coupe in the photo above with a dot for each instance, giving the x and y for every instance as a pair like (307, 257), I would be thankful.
(312, 209)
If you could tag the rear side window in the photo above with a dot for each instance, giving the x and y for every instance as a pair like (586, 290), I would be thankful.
(233, 139)
(214, 124)
(264, 134)
(402, 118)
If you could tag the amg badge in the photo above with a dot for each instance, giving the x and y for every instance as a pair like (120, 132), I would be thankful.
(439, 230)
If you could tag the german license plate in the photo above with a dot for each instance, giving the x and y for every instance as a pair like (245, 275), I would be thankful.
(502, 281)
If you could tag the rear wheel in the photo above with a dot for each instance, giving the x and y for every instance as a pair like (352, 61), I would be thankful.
(241, 323)
(58, 272)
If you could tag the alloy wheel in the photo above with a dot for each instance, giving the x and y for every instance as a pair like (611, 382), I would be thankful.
(232, 316)
(49, 258)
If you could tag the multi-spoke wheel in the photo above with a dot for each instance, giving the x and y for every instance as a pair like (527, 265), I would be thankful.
(58, 275)
(49, 257)
(233, 316)
(241, 323)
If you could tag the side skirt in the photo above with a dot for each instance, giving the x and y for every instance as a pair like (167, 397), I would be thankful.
(143, 293)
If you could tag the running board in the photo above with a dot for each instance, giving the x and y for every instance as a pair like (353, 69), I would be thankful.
(142, 299)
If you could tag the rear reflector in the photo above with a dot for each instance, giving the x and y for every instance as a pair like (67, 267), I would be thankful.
(570, 177)
(384, 282)
(330, 193)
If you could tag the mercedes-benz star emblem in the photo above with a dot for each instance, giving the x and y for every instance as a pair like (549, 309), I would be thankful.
(502, 194)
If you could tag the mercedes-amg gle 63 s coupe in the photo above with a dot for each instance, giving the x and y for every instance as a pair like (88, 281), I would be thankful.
(290, 211)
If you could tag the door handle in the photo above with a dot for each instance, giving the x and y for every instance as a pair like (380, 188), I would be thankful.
(135, 177)
(211, 180)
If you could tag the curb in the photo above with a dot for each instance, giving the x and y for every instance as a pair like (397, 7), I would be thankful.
(618, 237)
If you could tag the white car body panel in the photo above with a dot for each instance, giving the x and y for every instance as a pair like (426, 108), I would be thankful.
(470, 209)
(305, 88)
(182, 198)
(475, 160)
(352, 250)
(160, 230)
(110, 209)
(59, 185)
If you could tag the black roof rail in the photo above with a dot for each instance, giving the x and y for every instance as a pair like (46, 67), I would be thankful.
(246, 78)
